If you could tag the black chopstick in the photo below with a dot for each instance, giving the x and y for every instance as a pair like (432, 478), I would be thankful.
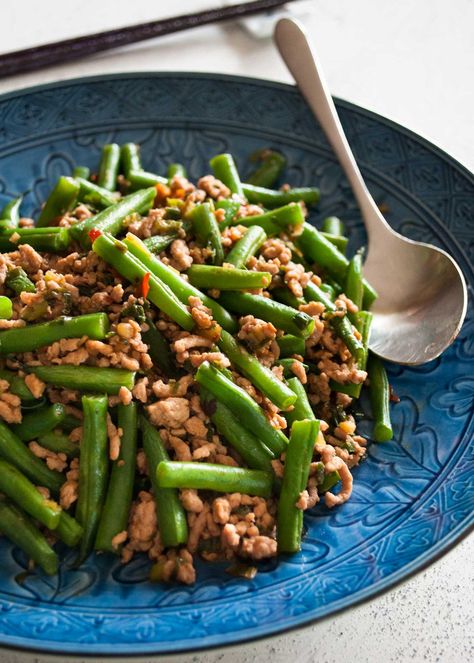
(47, 55)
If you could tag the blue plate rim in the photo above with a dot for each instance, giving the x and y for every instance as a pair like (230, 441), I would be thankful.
(455, 536)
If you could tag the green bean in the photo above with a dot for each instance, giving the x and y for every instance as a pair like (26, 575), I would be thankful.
(297, 464)
(51, 240)
(81, 171)
(206, 231)
(118, 255)
(254, 453)
(246, 247)
(86, 378)
(21, 531)
(10, 214)
(61, 200)
(250, 415)
(339, 241)
(140, 179)
(40, 422)
(354, 287)
(225, 278)
(59, 443)
(114, 516)
(282, 316)
(301, 407)
(15, 452)
(18, 281)
(69, 530)
(230, 207)
(159, 243)
(171, 516)
(350, 388)
(32, 337)
(329, 481)
(6, 308)
(182, 289)
(109, 166)
(176, 169)
(328, 290)
(271, 198)
(291, 345)
(291, 366)
(111, 219)
(379, 390)
(209, 476)
(21, 491)
(341, 326)
(159, 350)
(95, 195)
(130, 158)
(272, 165)
(224, 168)
(277, 220)
(93, 469)
(17, 385)
(70, 422)
(320, 250)
(259, 375)
(333, 226)
(285, 296)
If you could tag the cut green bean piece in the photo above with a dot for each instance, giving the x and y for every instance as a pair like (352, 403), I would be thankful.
(224, 168)
(171, 516)
(6, 308)
(59, 443)
(246, 247)
(354, 287)
(350, 388)
(26, 339)
(18, 281)
(209, 476)
(291, 345)
(230, 207)
(206, 230)
(140, 179)
(242, 406)
(339, 241)
(282, 316)
(297, 464)
(109, 166)
(182, 289)
(21, 531)
(225, 278)
(285, 296)
(254, 453)
(130, 158)
(111, 220)
(17, 385)
(20, 490)
(81, 171)
(159, 349)
(301, 408)
(93, 470)
(159, 243)
(10, 214)
(329, 481)
(119, 255)
(18, 454)
(271, 198)
(40, 422)
(115, 514)
(277, 220)
(61, 200)
(272, 164)
(95, 195)
(50, 240)
(86, 378)
(176, 169)
(291, 367)
(379, 390)
(69, 530)
(258, 374)
(333, 226)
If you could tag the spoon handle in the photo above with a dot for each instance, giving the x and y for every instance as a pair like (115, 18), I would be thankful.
(304, 65)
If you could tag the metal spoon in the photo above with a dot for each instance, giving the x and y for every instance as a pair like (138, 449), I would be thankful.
(422, 293)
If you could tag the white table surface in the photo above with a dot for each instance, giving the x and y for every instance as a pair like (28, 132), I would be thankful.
(412, 61)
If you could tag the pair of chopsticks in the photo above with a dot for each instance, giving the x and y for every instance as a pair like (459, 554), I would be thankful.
(39, 57)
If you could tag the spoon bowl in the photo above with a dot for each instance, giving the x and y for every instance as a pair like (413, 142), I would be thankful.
(422, 294)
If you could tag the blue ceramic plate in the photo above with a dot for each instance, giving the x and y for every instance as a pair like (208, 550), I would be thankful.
(413, 498)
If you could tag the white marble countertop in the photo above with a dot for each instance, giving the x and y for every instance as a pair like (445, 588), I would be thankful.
(410, 61)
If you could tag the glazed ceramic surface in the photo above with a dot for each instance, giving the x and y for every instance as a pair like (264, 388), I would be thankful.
(413, 497)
